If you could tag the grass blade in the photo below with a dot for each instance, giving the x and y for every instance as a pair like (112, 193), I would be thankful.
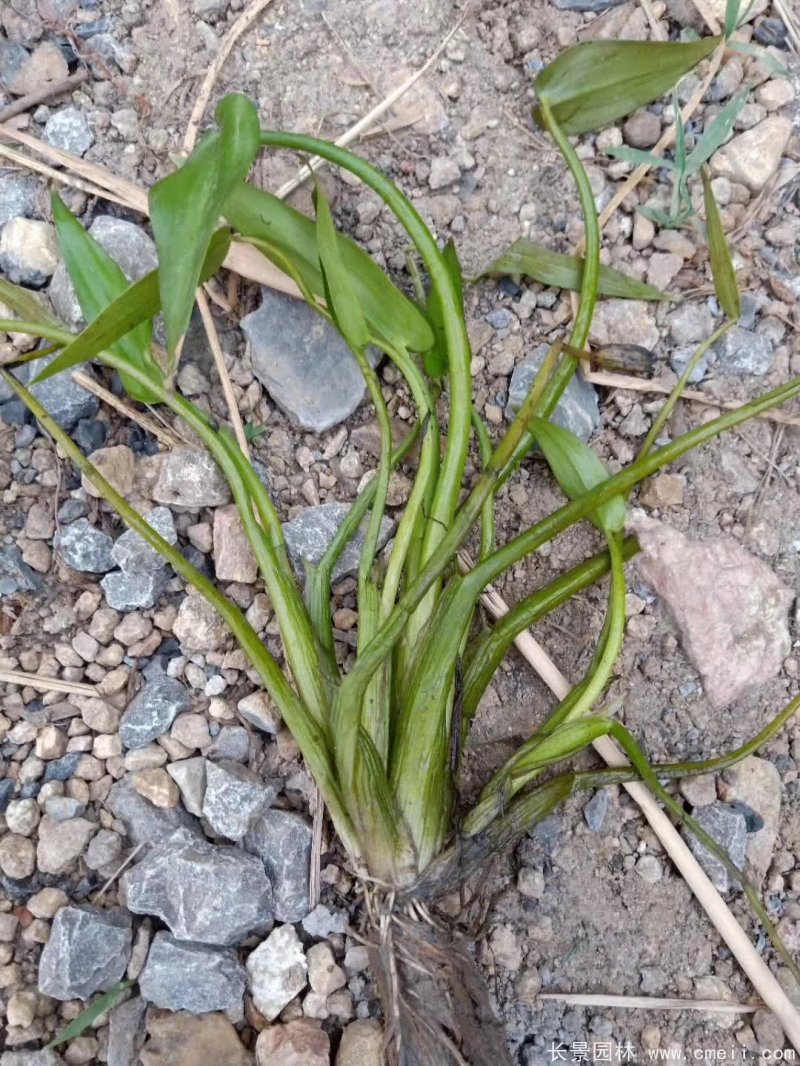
(639, 157)
(342, 301)
(716, 134)
(25, 304)
(732, 8)
(91, 1014)
(435, 359)
(721, 263)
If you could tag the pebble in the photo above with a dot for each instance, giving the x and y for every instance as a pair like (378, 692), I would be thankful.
(133, 592)
(233, 557)
(664, 490)
(17, 856)
(105, 849)
(297, 1043)
(649, 868)
(84, 548)
(234, 798)
(22, 816)
(156, 786)
(28, 251)
(322, 922)
(152, 711)
(18, 197)
(66, 400)
(259, 710)
(125, 1032)
(87, 952)
(182, 879)
(190, 479)
(116, 465)
(324, 975)
(276, 971)
(192, 977)
(577, 410)
(190, 777)
(741, 352)
(198, 627)
(309, 534)
(282, 840)
(132, 553)
(595, 810)
(756, 784)
(15, 575)
(624, 322)
(62, 842)
(44, 67)
(679, 359)
(69, 130)
(303, 362)
(730, 608)
(642, 129)
(191, 731)
(729, 828)
(181, 1039)
(662, 268)
(752, 157)
(444, 172)
(700, 791)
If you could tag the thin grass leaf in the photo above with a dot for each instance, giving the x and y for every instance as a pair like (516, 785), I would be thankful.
(717, 133)
(140, 301)
(98, 281)
(732, 8)
(341, 298)
(532, 260)
(639, 157)
(435, 359)
(25, 304)
(719, 254)
(89, 1016)
(577, 470)
(597, 82)
(761, 54)
(186, 206)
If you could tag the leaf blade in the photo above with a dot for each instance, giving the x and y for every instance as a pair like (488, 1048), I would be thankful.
(25, 303)
(717, 133)
(342, 301)
(719, 254)
(104, 1003)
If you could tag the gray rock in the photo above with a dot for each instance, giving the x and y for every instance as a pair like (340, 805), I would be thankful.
(282, 840)
(577, 410)
(194, 977)
(69, 130)
(46, 1057)
(595, 810)
(125, 1032)
(690, 323)
(303, 362)
(184, 881)
(132, 553)
(679, 358)
(127, 244)
(322, 922)
(144, 822)
(743, 352)
(12, 58)
(586, 5)
(152, 711)
(18, 198)
(308, 536)
(87, 952)
(15, 575)
(104, 849)
(85, 548)
(232, 742)
(132, 592)
(234, 798)
(729, 828)
(66, 401)
(191, 479)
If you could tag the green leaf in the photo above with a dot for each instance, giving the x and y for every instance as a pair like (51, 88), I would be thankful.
(25, 304)
(186, 206)
(721, 264)
(640, 158)
(390, 315)
(137, 303)
(717, 133)
(98, 281)
(761, 54)
(597, 82)
(577, 470)
(732, 8)
(435, 359)
(91, 1014)
(565, 272)
(342, 302)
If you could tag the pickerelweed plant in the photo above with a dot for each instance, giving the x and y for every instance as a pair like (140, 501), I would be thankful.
(384, 740)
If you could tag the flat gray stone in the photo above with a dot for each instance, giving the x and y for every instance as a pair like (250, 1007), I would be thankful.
(128, 245)
(741, 352)
(232, 742)
(132, 553)
(577, 410)
(282, 840)
(69, 130)
(234, 798)
(87, 952)
(12, 58)
(85, 548)
(179, 975)
(133, 592)
(303, 362)
(308, 536)
(191, 479)
(729, 828)
(144, 822)
(152, 711)
(125, 1032)
(15, 575)
(46, 1057)
(18, 198)
(65, 400)
(322, 922)
(595, 810)
(205, 893)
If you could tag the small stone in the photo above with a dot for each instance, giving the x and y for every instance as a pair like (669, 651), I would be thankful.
(22, 816)
(133, 592)
(44, 67)
(595, 810)
(297, 1043)
(768, 1030)
(259, 710)
(624, 322)
(15, 576)
(308, 536)
(156, 786)
(665, 490)
(17, 856)
(752, 157)
(145, 823)
(181, 1039)
(775, 94)
(444, 172)
(105, 849)
(322, 922)
(741, 352)
(192, 977)
(116, 465)
(530, 883)
(231, 743)
(729, 828)
(662, 268)
(233, 556)
(190, 777)
(642, 129)
(649, 868)
(87, 952)
(577, 410)
(28, 251)
(61, 843)
(276, 971)
(182, 880)
(190, 479)
(125, 1033)
(21, 1009)
(756, 784)
(47, 1057)
(282, 840)
(51, 743)
(643, 231)
(191, 730)
(18, 197)
(679, 359)
(69, 130)
(303, 361)
(132, 553)
(152, 711)
(234, 798)
(324, 975)
(198, 627)
(700, 791)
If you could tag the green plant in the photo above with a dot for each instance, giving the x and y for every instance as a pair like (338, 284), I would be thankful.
(384, 740)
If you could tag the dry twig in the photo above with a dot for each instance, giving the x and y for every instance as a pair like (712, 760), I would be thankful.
(25, 103)
(47, 684)
(717, 1006)
(222, 370)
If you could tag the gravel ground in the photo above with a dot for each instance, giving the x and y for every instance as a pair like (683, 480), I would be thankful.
(160, 753)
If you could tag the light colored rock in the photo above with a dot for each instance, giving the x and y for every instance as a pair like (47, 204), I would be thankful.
(190, 479)
(61, 843)
(198, 627)
(132, 553)
(700, 791)
(662, 268)
(752, 157)
(649, 868)
(17, 856)
(309, 534)
(324, 975)
(191, 730)
(624, 322)
(756, 784)
(233, 557)
(22, 816)
(184, 1039)
(47, 902)
(69, 130)
(87, 952)
(298, 1043)
(45, 66)
(664, 490)
(730, 608)
(259, 710)
(156, 786)
(190, 777)
(577, 410)
(276, 971)
(116, 465)
(362, 1044)
(28, 251)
